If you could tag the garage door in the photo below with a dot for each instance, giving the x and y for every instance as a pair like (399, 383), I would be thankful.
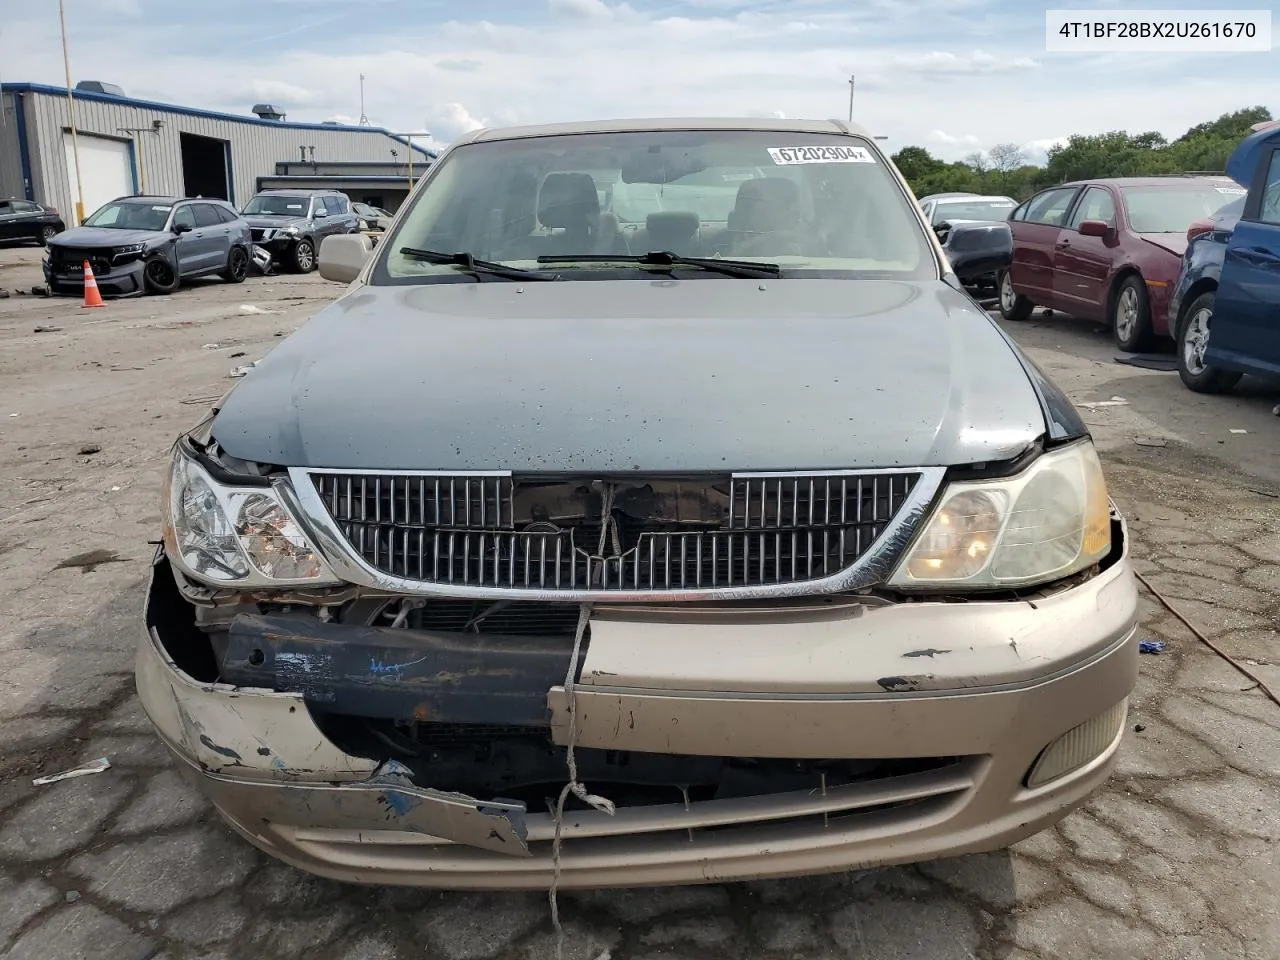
(106, 170)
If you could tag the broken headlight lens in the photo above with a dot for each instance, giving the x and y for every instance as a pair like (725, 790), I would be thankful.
(1048, 522)
(264, 546)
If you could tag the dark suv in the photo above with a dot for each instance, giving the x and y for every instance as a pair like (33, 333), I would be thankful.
(290, 224)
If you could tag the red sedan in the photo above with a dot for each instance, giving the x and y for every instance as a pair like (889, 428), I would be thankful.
(1107, 250)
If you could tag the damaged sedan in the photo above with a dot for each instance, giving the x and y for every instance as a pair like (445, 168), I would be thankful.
(566, 548)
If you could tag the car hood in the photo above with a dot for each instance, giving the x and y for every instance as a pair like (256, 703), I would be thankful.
(81, 237)
(1175, 243)
(273, 223)
(612, 376)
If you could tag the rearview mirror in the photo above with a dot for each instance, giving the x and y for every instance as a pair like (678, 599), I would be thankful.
(1094, 228)
(343, 256)
(181, 227)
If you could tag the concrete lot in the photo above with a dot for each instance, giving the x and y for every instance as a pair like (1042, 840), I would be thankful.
(1178, 858)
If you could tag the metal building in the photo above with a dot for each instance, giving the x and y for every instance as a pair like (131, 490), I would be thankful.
(129, 146)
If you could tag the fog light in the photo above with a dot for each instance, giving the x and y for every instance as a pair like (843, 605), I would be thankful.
(1078, 746)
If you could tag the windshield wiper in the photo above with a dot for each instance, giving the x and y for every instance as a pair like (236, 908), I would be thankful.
(665, 258)
(475, 267)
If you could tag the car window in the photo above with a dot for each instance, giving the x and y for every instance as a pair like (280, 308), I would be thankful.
(24, 206)
(335, 204)
(1050, 207)
(814, 203)
(1096, 204)
(130, 215)
(1270, 209)
(318, 207)
(184, 217)
(277, 205)
(226, 214)
(5, 207)
(1173, 207)
(971, 210)
(1020, 211)
(206, 215)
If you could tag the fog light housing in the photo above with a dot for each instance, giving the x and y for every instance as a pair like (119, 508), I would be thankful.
(1078, 746)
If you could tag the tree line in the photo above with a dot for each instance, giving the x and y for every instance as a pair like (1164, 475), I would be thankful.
(1003, 169)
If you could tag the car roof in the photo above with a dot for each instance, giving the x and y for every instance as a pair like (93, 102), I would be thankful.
(970, 197)
(659, 125)
(1172, 180)
(1243, 162)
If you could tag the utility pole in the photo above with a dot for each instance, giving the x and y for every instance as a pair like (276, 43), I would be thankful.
(71, 111)
(364, 120)
(851, 98)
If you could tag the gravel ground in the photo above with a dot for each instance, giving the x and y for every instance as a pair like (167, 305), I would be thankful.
(1177, 858)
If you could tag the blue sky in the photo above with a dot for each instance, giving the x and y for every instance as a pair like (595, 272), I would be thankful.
(954, 76)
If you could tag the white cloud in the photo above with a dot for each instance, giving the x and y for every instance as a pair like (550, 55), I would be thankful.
(964, 139)
(945, 63)
(450, 121)
(580, 8)
(1037, 151)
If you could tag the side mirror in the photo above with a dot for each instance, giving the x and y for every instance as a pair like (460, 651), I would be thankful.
(182, 228)
(1094, 228)
(322, 212)
(343, 256)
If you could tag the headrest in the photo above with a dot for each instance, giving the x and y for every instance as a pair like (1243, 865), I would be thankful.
(765, 204)
(773, 190)
(568, 200)
(670, 227)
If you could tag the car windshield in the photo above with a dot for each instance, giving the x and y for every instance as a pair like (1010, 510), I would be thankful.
(130, 215)
(274, 205)
(1172, 209)
(972, 210)
(812, 204)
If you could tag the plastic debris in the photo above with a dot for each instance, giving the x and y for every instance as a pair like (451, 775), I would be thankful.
(210, 346)
(1235, 430)
(71, 896)
(1151, 646)
(238, 353)
(93, 766)
(1113, 402)
(237, 372)
(88, 450)
(46, 329)
(1150, 441)
(253, 308)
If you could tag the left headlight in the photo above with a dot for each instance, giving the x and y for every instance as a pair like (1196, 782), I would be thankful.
(130, 252)
(245, 537)
(1049, 521)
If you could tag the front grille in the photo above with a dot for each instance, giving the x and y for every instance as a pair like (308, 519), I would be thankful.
(259, 234)
(62, 257)
(496, 531)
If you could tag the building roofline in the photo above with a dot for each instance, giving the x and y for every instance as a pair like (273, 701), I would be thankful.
(52, 91)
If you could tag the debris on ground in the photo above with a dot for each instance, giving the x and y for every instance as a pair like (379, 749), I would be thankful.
(71, 896)
(93, 766)
(1160, 362)
(1237, 430)
(89, 562)
(238, 353)
(88, 450)
(39, 291)
(1151, 646)
(1113, 402)
(1139, 727)
(253, 308)
(45, 329)
(1151, 441)
(4, 294)
(237, 372)
(210, 346)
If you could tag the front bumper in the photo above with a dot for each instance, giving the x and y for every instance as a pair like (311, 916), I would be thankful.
(986, 684)
(118, 280)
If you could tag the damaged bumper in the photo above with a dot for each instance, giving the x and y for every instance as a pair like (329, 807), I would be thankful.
(947, 706)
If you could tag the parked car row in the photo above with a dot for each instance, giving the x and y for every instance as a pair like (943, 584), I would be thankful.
(151, 244)
(1163, 257)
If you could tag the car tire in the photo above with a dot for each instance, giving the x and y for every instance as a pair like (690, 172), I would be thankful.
(1013, 306)
(237, 266)
(302, 258)
(158, 274)
(1131, 315)
(1193, 337)
(45, 235)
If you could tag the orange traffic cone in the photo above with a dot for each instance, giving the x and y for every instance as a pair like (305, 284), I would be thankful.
(92, 298)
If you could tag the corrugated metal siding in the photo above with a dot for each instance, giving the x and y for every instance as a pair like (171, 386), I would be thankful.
(255, 148)
(10, 156)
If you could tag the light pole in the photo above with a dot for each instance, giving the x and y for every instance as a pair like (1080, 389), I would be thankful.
(71, 111)
(851, 98)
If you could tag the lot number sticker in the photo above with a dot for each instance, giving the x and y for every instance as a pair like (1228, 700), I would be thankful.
(784, 156)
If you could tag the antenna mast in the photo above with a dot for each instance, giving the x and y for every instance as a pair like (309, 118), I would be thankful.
(364, 121)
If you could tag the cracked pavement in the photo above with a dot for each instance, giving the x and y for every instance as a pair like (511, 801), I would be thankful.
(1175, 859)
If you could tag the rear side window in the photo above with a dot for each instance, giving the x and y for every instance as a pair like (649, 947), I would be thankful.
(336, 203)
(206, 215)
(1050, 208)
(226, 214)
(1269, 212)
(22, 206)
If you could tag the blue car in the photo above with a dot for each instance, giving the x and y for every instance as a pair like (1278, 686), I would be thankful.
(1230, 278)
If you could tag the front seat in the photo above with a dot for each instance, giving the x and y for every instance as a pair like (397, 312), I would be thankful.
(675, 231)
(765, 217)
(569, 203)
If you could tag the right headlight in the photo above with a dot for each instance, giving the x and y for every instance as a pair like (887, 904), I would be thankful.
(241, 536)
(1049, 521)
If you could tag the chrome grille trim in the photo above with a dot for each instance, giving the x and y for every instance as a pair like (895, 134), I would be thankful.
(789, 534)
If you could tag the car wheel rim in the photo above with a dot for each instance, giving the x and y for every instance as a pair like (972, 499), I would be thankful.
(1127, 314)
(304, 256)
(1006, 292)
(158, 272)
(1195, 341)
